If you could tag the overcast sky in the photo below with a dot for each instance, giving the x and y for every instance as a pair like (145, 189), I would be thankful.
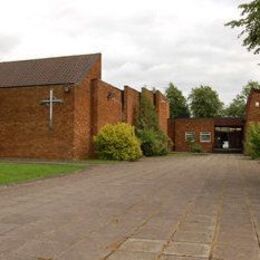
(143, 42)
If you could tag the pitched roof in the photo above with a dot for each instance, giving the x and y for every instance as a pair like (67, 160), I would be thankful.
(48, 71)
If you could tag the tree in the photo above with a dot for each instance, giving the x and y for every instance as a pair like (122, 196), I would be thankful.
(178, 104)
(153, 140)
(146, 117)
(205, 102)
(247, 88)
(250, 23)
(237, 107)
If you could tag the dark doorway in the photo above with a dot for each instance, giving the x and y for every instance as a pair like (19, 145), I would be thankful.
(228, 139)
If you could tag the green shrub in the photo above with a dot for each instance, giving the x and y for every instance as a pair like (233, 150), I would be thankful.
(118, 142)
(252, 145)
(154, 143)
(196, 148)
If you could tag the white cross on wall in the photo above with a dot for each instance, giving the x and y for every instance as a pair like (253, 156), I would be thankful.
(50, 102)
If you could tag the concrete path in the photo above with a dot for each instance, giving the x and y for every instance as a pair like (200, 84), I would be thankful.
(196, 207)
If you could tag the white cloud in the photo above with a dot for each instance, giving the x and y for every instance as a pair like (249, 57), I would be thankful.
(143, 42)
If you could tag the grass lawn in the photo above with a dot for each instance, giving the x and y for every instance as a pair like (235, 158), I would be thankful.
(23, 172)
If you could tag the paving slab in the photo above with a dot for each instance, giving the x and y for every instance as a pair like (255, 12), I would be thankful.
(41, 249)
(194, 237)
(187, 249)
(125, 255)
(143, 245)
(223, 251)
(173, 257)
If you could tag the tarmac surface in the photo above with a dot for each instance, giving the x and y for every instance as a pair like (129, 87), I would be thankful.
(174, 207)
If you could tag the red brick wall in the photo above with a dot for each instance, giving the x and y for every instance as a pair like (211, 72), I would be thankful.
(83, 126)
(253, 112)
(171, 130)
(131, 104)
(24, 130)
(24, 123)
(193, 125)
(162, 109)
(161, 105)
(149, 94)
(107, 105)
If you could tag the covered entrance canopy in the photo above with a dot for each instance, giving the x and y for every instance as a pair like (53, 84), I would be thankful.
(229, 135)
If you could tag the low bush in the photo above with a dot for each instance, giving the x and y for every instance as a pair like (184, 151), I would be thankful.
(154, 143)
(117, 142)
(196, 148)
(252, 145)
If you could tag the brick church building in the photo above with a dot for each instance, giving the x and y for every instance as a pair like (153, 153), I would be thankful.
(52, 108)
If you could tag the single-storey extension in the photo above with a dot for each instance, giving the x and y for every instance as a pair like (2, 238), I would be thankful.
(215, 134)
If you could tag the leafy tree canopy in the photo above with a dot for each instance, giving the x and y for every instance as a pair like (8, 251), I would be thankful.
(205, 102)
(247, 88)
(250, 24)
(178, 104)
(237, 107)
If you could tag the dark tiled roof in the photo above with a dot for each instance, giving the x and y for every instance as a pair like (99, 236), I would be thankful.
(49, 71)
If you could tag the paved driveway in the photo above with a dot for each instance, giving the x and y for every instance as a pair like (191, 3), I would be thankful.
(198, 207)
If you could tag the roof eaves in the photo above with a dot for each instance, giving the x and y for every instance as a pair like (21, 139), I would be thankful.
(41, 85)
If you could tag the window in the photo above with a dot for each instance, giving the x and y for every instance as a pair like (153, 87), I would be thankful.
(257, 104)
(205, 137)
(190, 136)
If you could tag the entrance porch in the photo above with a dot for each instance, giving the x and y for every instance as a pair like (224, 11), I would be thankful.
(228, 136)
